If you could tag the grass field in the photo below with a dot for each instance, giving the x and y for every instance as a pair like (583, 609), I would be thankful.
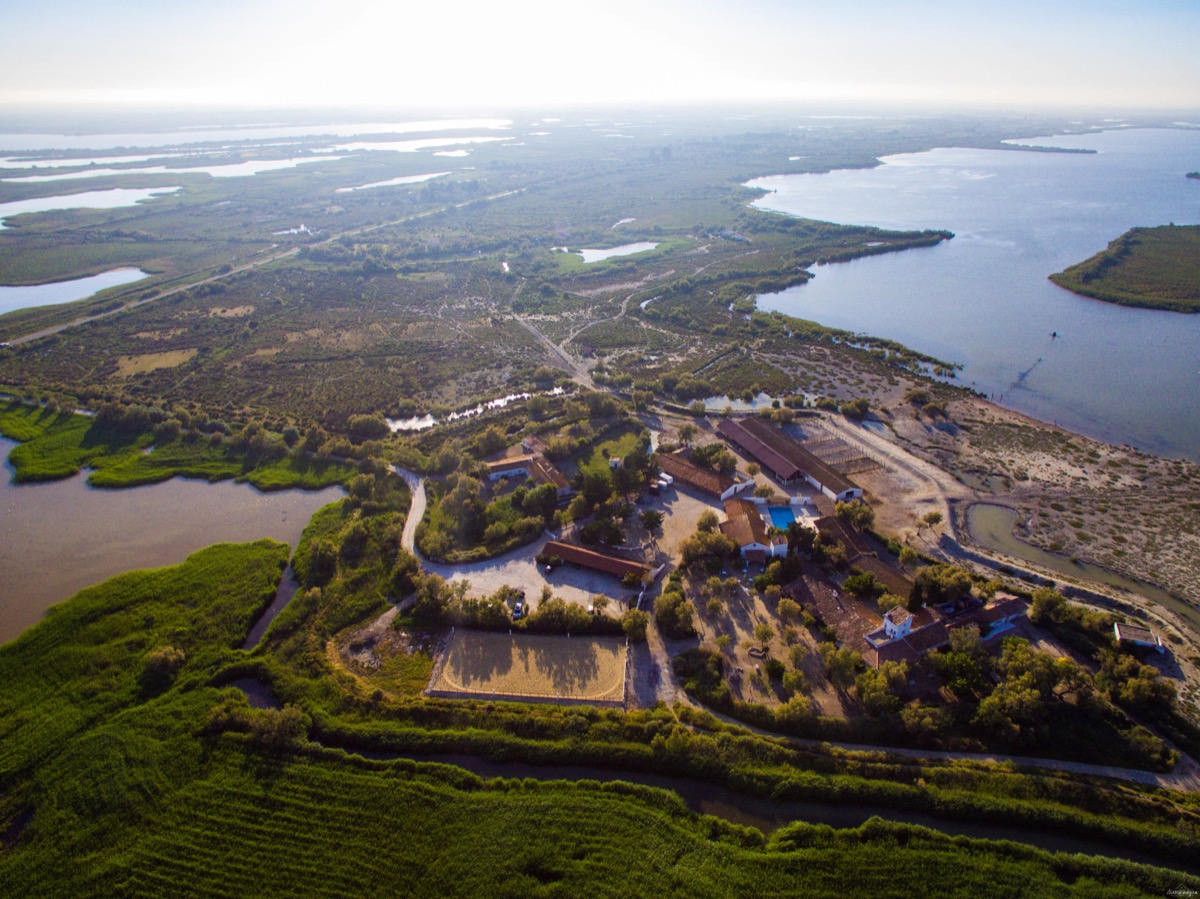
(529, 666)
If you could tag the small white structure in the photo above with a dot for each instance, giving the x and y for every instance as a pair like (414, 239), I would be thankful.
(1134, 635)
(897, 623)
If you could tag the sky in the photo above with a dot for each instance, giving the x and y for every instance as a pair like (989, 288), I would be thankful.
(488, 54)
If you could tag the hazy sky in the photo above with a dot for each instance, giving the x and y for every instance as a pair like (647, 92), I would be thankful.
(491, 53)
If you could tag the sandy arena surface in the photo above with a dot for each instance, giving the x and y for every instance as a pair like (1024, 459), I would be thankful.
(532, 666)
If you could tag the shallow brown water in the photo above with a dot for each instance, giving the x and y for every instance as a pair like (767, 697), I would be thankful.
(57, 538)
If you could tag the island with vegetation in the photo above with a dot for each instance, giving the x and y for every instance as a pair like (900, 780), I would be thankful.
(633, 586)
(1157, 268)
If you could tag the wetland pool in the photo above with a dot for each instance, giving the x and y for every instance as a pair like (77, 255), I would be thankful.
(33, 295)
(58, 537)
(991, 526)
(92, 199)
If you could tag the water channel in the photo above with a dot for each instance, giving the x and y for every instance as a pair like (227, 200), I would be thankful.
(767, 815)
(982, 299)
(57, 538)
(992, 526)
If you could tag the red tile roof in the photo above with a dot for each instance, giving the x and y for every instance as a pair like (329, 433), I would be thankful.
(781, 453)
(733, 431)
(856, 546)
(692, 474)
(587, 558)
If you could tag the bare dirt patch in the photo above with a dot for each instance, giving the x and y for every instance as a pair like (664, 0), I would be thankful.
(533, 667)
(144, 362)
(230, 312)
(383, 657)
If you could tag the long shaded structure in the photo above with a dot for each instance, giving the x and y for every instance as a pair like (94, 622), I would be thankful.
(785, 458)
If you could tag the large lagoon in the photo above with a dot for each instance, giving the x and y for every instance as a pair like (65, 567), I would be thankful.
(983, 299)
(57, 538)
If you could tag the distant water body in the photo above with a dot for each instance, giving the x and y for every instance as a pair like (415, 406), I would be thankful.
(983, 299)
(26, 297)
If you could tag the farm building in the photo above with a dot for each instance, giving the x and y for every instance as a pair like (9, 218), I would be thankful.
(860, 555)
(605, 564)
(906, 637)
(1133, 635)
(534, 466)
(751, 532)
(786, 459)
(713, 483)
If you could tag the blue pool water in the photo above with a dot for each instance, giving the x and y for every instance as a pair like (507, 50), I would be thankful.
(781, 516)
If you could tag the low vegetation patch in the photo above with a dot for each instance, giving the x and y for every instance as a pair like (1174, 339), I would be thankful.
(1158, 268)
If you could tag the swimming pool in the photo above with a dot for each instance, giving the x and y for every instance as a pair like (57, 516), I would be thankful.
(781, 516)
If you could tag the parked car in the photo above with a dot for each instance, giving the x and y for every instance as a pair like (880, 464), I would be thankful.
(518, 609)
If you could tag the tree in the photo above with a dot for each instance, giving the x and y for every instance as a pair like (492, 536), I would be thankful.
(840, 664)
(369, 427)
(856, 409)
(859, 516)
(703, 544)
(877, 687)
(1046, 603)
(929, 520)
(940, 584)
(688, 432)
(763, 634)
(959, 671)
(967, 640)
(708, 521)
(651, 520)
(923, 721)
(634, 623)
(600, 603)
(490, 442)
(597, 486)
(908, 557)
(796, 710)
(557, 616)
(1129, 683)
(863, 585)
(715, 456)
(789, 609)
(674, 615)
(753, 469)
(162, 664)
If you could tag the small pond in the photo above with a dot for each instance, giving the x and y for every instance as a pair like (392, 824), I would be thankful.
(737, 404)
(406, 179)
(628, 249)
(27, 297)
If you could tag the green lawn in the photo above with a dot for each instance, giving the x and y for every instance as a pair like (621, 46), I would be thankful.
(617, 447)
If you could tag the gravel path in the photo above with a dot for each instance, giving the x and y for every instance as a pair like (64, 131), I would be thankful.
(518, 568)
